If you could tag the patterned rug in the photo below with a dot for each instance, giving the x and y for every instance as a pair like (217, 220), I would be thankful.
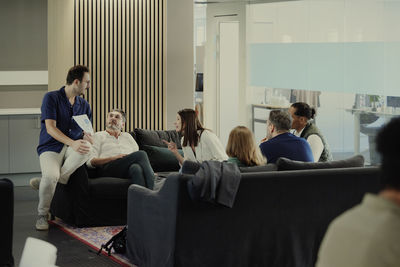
(95, 237)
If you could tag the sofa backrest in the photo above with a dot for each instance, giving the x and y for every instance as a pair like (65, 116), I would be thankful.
(154, 138)
(285, 164)
(191, 167)
(278, 218)
(161, 159)
(265, 168)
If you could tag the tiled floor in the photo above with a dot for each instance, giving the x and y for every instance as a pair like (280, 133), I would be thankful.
(70, 252)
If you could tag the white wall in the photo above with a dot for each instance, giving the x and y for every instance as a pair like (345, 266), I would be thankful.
(328, 20)
(180, 58)
(215, 14)
(228, 79)
(333, 45)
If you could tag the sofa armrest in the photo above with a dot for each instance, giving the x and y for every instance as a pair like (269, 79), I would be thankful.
(6, 224)
(72, 198)
(79, 182)
(152, 223)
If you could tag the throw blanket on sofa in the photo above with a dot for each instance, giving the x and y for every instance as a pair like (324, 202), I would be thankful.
(215, 182)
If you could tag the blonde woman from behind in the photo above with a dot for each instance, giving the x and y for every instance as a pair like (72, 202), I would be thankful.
(242, 149)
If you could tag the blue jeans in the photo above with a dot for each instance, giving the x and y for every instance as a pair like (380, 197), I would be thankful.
(135, 166)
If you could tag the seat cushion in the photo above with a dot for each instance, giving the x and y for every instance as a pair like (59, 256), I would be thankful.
(161, 159)
(285, 164)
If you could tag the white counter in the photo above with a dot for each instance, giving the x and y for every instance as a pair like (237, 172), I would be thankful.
(19, 111)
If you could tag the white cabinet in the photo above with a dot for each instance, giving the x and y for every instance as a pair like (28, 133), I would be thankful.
(4, 149)
(24, 133)
(19, 137)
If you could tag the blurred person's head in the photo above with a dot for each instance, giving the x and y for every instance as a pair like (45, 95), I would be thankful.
(241, 145)
(279, 122)
(188, 124)
(388, 144)
(301, 113)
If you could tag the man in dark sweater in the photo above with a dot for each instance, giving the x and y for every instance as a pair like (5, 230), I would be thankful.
(281, 143)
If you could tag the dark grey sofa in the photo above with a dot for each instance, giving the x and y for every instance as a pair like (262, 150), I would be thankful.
(6, 223)
(88, 200)
(278, 219)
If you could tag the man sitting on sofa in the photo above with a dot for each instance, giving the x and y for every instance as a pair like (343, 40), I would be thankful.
(303, 125)
(368, 234)
(281, 143)
(116, 154)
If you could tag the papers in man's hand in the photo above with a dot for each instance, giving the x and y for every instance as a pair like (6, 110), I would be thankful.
(84, 122)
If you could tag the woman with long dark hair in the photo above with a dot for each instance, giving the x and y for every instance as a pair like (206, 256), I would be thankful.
(198, 143)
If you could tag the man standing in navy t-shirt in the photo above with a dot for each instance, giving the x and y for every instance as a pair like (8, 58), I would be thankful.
(63, 147)
(280, 143)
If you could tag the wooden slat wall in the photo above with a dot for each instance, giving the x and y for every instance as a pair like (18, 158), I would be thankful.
(123, 44)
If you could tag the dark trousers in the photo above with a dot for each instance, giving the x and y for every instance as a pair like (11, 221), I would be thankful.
(135, 166)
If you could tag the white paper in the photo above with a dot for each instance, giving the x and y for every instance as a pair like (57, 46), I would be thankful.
(84, 122)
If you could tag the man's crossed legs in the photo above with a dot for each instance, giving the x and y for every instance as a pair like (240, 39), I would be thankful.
(135, 166)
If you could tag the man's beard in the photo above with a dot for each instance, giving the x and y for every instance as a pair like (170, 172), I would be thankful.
(114, 127)
(79, 92)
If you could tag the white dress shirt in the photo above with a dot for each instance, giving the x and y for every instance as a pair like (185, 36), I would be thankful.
(208, 148)
(105, 145)
(315, 143)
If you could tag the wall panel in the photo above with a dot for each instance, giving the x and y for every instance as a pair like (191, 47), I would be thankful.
(122, 43)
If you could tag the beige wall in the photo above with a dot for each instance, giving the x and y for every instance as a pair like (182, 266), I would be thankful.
(23, 47)
(22, 96)
(23, 32)
(180, 83)
(60, 41)
(179, 63)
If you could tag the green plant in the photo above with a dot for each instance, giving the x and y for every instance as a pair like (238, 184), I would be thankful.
(374, 98)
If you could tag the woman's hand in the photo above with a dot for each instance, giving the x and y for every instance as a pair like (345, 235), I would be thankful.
(174, 149)
(171, 146)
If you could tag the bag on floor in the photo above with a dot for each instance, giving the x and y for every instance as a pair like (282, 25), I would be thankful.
(117, 242)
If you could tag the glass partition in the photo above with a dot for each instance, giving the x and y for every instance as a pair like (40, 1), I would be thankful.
(340, 56)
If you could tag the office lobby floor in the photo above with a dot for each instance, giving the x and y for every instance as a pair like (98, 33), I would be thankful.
(70, 252)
